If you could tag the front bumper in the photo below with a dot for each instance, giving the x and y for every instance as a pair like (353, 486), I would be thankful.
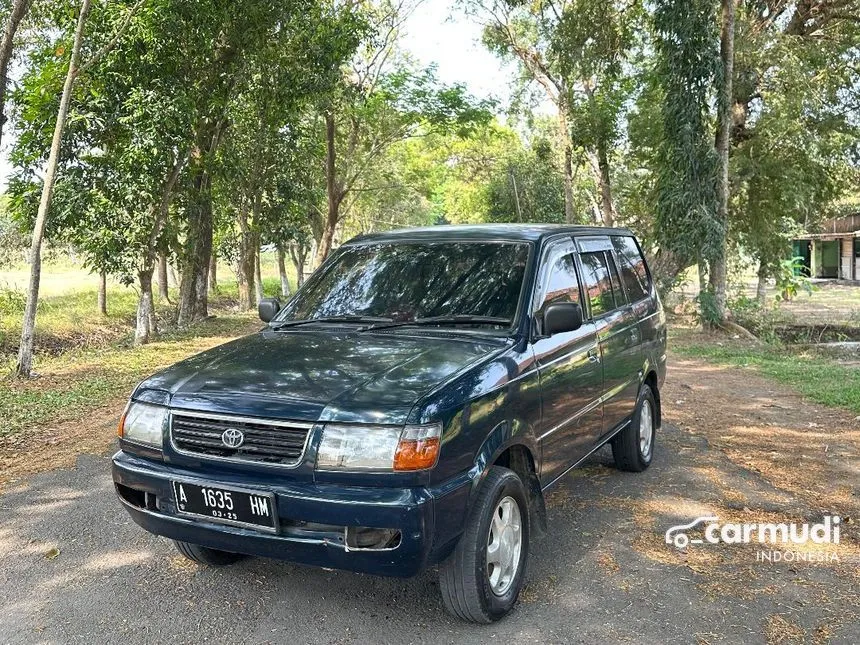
(312, 518)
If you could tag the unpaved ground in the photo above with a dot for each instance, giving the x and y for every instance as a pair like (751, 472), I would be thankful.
(74, 568)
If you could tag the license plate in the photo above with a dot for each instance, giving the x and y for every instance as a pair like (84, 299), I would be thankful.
(226, 505)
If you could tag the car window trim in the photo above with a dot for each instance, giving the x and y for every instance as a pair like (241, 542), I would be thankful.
(611, 257)
(553, 250)
(591, 315)
(649, 280)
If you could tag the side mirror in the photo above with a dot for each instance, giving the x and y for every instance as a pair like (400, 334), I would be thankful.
(268, 308)
(561, 317)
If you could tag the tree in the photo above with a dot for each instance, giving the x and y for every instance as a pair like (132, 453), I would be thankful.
(724, 126)
(24, 367)
(383, 99)
(575, 52)
(267, 124)
(525, 188)
(377, 111)
(686, 228)
(793, 142)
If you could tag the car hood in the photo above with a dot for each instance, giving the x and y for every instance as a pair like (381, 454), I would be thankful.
(321, 375)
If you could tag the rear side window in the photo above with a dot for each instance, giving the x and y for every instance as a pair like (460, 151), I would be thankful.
(562, 283)
(598, 283)
(633, 272)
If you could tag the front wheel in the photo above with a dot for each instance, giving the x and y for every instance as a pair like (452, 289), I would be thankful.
(205, 555)
(633, 447)
(482, 579)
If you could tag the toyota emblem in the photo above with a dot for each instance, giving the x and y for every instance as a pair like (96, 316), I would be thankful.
(233, 438)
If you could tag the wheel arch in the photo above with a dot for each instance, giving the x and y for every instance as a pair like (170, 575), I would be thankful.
(651, 380)
(517, 452)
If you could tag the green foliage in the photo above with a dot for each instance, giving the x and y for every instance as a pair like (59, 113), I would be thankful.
(12, 301)
(13, 241)
(238, 95)
(795, 141)
(525, 187)
(686, 185)
(790, 280)
(707, 312)
(759, 319)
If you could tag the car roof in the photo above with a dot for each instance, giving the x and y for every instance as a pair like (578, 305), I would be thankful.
(486, 232)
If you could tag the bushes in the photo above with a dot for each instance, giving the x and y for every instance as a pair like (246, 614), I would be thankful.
(759, 319)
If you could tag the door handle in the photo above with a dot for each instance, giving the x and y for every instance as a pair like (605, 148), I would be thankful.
(593, 355)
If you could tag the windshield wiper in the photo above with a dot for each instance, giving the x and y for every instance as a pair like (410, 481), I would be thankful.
(331, 319)
(458, 319)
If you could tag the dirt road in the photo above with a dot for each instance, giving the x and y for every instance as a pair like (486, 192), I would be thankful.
(75, 569)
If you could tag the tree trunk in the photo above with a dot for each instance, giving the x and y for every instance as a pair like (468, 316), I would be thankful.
(604, 181)
(213, 274)
(103, 293)
(28, 326)
(567, 163)
(193, 287)
(702, 266)
(145, 309)
(334, 193)
(297, 255)
(246, 262)
(724, 125)
(19, 10)
(282, 273)
(761, 286)
(258, 274)
(163, 293)
(158, 216)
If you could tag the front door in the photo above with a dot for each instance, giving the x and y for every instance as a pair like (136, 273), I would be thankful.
(571, 375)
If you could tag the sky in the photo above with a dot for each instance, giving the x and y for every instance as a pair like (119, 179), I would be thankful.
(436, 32)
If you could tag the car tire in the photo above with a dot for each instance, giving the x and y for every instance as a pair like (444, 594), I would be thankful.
(633, 447)
(474, 588)
(205, 555)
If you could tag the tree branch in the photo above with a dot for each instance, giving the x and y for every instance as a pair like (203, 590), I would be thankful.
(113, 41)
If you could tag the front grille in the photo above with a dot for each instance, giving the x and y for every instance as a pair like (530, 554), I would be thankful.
(271, 442)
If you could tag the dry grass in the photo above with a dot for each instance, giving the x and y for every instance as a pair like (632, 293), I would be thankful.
(779, 630)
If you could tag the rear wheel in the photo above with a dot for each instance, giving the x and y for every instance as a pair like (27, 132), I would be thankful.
(633, 447)
(482, 579)
(205, 555)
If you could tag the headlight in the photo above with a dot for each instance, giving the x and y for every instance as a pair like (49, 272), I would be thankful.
(382, 448)
(143, 423)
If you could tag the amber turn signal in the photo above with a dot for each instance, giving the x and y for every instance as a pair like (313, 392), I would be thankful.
(119, 430)
(418, 448)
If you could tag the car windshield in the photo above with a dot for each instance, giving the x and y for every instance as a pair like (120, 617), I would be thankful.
(403, 282)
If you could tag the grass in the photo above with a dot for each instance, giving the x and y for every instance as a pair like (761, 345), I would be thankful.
(86, 360)
(67, 318)
(821, 379)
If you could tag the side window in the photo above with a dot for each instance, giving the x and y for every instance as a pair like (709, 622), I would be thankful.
(598, 284)
(633, 272)
(562, 283)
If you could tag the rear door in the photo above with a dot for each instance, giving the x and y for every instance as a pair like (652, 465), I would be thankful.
(571, 376)
(617, 326)
(643, 299)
